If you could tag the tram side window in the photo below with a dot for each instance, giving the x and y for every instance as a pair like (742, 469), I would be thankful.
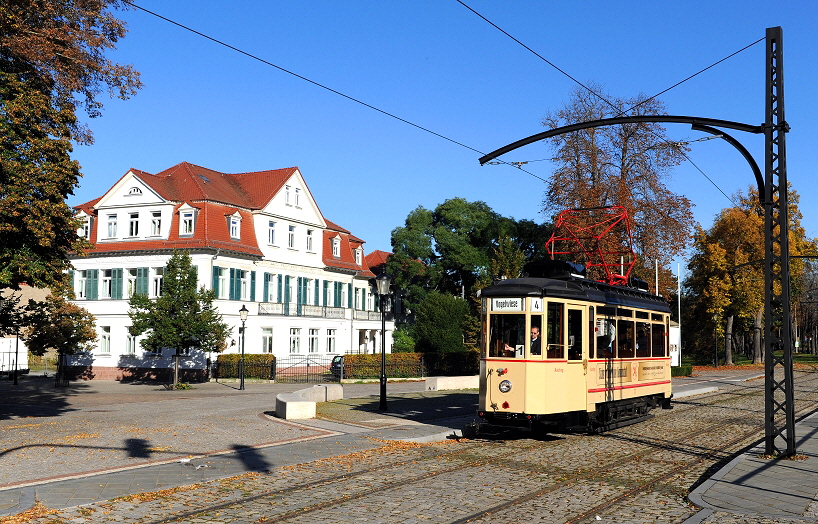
(658, 340)
(507, 336)
(555, 338)
(625, 339)
(605, 337)
(536, 344)
(643, 339)
(574, 334)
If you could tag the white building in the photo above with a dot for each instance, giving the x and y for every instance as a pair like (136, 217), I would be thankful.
(257, 239)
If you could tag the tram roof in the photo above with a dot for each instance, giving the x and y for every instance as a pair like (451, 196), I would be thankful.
(573, 288)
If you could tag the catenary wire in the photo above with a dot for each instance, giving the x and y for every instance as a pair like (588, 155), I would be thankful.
(318, 84)
(602, 98)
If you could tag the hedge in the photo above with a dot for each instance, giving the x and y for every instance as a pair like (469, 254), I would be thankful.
(413, 365)
(684, 370)
(255, 366)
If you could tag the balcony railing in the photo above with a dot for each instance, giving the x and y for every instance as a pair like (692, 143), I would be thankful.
(292, 309)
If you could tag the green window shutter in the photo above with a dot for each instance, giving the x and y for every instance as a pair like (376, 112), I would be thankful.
(349, 296)
(338, 294)
(287, 296)
(92, 285)
(252, 286)
(215, 287)
(317, 285)
(265, 297)
(233, 287)
(326, 288)
(116, 284)
(71, 276)
(377, 302)
(280, 285)
(142, 280)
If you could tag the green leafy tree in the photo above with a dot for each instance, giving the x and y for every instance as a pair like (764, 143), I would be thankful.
(60, 325)
(439, 322)
(181, 318)
(624, 165)
(52, 60)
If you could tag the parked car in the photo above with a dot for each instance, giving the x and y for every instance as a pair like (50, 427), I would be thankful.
(337, 366)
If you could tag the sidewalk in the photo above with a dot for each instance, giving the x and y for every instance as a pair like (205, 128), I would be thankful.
(751, 485)
(412, 415)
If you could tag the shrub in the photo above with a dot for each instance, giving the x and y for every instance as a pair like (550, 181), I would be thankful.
(255, 366)
(684, 370)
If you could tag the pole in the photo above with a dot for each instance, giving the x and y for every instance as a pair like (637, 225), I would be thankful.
(382, 404)
(16, 354)
(679, 295)
(241, 362)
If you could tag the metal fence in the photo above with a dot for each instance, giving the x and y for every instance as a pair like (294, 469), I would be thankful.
(393, 370)
(305, 368)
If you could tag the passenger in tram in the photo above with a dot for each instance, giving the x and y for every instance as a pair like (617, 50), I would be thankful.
(606, 335)
(535, 341)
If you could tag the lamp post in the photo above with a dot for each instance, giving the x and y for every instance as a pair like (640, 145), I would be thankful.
(383, 280)
(243, 312)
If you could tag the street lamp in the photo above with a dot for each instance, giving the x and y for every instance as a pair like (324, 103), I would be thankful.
(383, 280)
(243, 312)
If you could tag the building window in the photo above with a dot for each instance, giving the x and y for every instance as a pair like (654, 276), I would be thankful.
(244, 282)
(291, 238)
(331, 340)
(336, 247)
(156, 223)
(85, 229)
(297, 199)
(80, 283)
(271, 233)
(310, 291)
(358, 256)
(266, 340)
(295, 340)
(309, 240)
(156, 281)
(235, 227)
(130, 344)
(187, 223)
(287, 195)
(105, 288)
(111, 226)
(134, 191)
(223, 287)
(133, 225)
(312, 341)
(130, 276)
(330, 288)
(105, 340)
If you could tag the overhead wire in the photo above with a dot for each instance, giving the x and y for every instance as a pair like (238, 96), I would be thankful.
(318, 84)
(611, 104)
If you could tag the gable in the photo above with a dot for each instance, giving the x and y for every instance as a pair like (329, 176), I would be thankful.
(294, 201)
(129, 191)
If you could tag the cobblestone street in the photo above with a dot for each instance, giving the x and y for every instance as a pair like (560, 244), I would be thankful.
(641, 473)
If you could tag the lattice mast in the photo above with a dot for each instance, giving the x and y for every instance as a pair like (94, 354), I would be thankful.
(600, 235)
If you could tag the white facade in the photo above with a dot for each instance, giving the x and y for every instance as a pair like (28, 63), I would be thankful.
(272, 253)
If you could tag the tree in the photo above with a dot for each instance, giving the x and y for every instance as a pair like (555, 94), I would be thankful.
(57, 324)
(439, 323)
(182, 318)
(624, 165)
(451, 248)
(725, 285)
(51, 60)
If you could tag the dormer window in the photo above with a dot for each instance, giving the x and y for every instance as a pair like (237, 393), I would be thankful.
(234, 225)
(358, 256)
(187, 222)
(336, 247)
(84, 230)
(134, 191)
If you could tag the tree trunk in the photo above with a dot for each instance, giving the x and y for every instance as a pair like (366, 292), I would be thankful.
(758, 355)
(728, 342)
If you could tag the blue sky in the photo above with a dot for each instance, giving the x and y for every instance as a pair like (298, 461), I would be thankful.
(438, 65)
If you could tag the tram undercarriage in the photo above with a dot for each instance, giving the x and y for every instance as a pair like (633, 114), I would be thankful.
(607, 416)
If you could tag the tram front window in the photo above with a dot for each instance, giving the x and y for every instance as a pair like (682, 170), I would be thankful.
(507, 336)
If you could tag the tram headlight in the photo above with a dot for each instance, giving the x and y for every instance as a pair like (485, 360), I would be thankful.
(505, 386)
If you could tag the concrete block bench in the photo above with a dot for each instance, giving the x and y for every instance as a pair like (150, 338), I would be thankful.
(301, 404)
(441, 383)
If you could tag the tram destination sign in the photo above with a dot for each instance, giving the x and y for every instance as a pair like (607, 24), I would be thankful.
(508, 304)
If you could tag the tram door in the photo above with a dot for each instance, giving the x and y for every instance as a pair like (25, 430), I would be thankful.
(577, 365)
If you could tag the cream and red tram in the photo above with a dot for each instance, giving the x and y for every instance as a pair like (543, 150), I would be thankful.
(601, 360)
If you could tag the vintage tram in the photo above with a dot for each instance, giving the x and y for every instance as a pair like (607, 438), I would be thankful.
(563, 352)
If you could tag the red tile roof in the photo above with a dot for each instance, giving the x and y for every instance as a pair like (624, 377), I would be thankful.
(349, 242)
